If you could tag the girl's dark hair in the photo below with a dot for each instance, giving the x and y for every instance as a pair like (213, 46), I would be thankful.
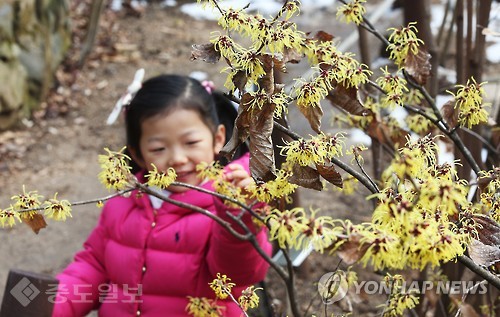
(164, 93)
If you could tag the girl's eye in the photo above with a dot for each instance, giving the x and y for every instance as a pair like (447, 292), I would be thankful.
(158, 149)
(192, 142)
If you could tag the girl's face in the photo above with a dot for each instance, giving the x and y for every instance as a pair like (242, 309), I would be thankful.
(181, 140)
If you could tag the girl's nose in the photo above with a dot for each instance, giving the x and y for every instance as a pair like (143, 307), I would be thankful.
(178, 157)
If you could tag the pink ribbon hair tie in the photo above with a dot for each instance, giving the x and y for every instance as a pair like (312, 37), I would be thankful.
(209, 86)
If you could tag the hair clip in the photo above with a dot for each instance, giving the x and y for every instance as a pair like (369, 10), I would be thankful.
(127, 97)
(209, 86)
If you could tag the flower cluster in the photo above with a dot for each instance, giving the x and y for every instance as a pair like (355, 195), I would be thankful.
(26, 201)
(469, 100)
(317, 150)
(8, 217)
(222, 286)
(277, 188)
(403, 42)
(490, 193)
(203, 307)
(27, 205)
(249, 298)
(161, 179)
(411, 224)
(215, 173)
(394, 87)
(294, 229)
(115, 170)
(399, 300)
(352, 11)
(57, 209)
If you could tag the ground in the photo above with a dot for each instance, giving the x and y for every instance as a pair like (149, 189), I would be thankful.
(58, 151)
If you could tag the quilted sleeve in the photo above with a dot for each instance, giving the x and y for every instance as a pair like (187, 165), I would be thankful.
(235, 258)
(78, 290)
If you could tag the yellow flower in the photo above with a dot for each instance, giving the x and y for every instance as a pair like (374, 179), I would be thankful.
(57, 209)
(320, 232)
(469, 100)
(8, 217)
(27, 200)
(291, 8)
(222, 286)
(310, 94)
(161, 179)
(285, 226)
(399, 299)
(203, 307)
(115, 170)
(352, 11)
(403, 42)
(249, 298)
(270, 190)
(316, 150)
(211, 171)
(395, 88)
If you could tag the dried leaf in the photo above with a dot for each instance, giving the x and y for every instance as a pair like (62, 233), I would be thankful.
(267, 81)
(352, 250)
(313, 114)
(291, 55)
(262, 165)
(35, 222)
(450, 114)
(483, 254)
(348, 100)
(328, 172)
(418, 66)
(488, 230)
(383, 134)
(240, 80)
(306, 176)
(323, 36)
(241, 128)
(205, 52)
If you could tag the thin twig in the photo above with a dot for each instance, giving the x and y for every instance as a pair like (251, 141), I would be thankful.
(86, 202)
(487, 275)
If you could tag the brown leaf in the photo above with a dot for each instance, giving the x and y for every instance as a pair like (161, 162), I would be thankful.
(418, 66)
(306, 176)
(205, 52)
(262, 165)
(450, 114)
(35, 222)
(313, 114)
(488, 230)
(328, 172)
(291, 55)
(483, 254)
(381, 131)
(240, 80)
(348, 100)
(241, 128)
(323, 36)
(267, 81)
(352, 250)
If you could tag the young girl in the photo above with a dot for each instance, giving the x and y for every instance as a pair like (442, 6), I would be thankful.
(146, 256)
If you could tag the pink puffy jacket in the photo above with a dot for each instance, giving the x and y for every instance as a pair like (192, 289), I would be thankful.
(144, 262)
